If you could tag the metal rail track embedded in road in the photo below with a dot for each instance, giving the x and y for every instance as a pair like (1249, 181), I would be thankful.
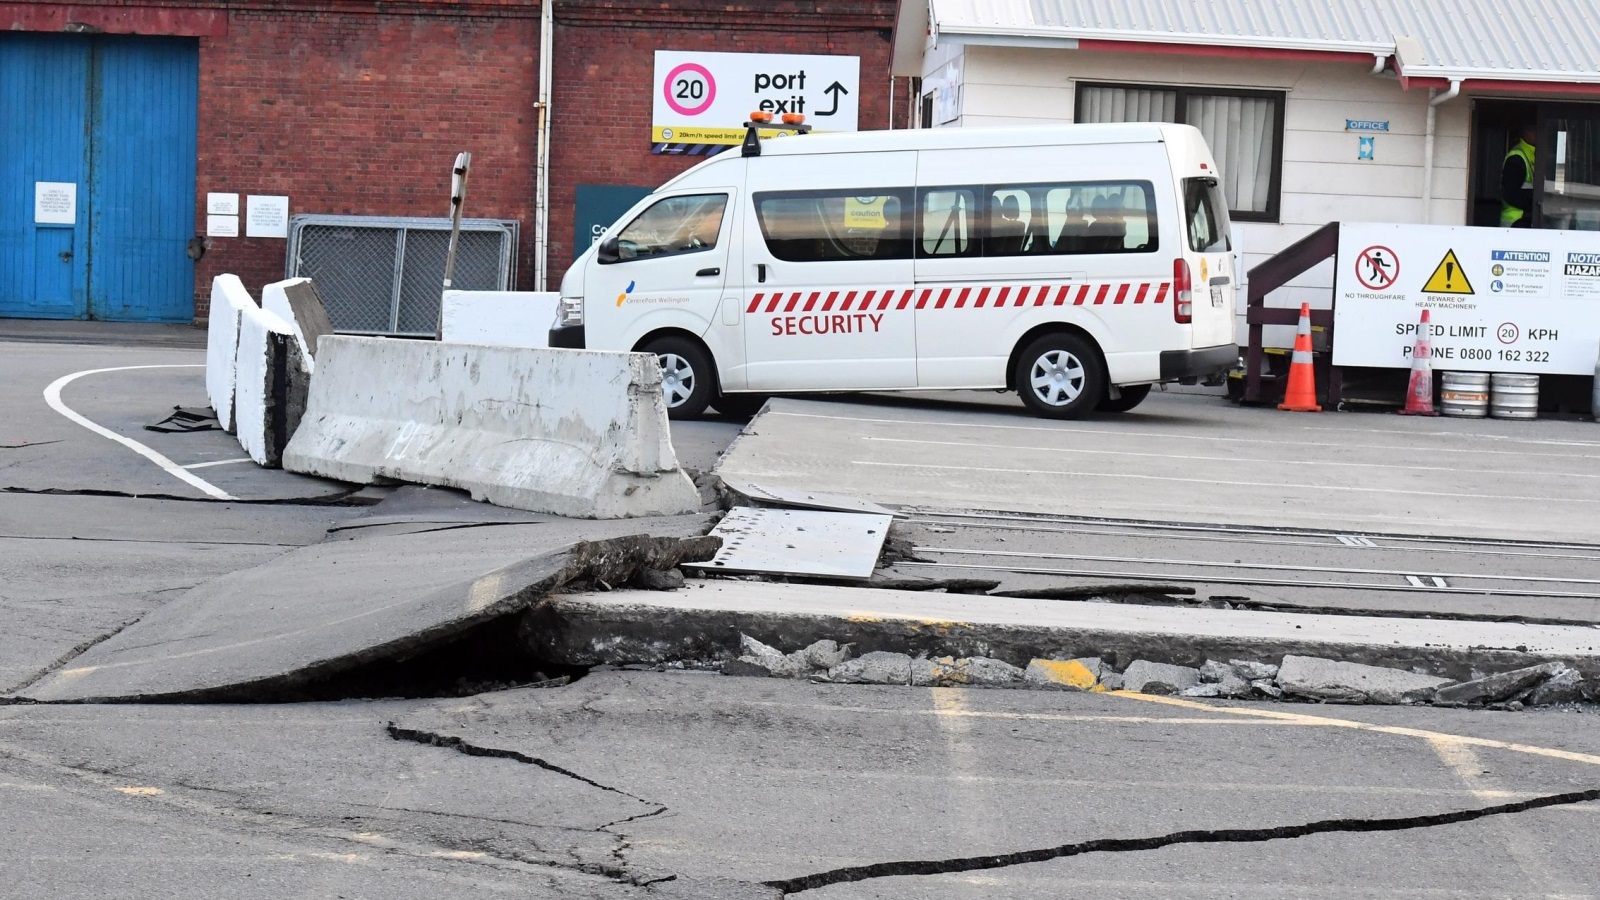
(1222, 554)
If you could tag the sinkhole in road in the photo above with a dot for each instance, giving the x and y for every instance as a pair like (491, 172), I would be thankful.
(490, 656)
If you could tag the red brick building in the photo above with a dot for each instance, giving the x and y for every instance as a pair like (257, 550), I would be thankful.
(359, 108)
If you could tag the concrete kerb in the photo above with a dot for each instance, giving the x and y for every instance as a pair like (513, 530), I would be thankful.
(229, 300)
(570, 432)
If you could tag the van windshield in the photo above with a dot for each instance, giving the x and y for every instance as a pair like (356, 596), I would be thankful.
(1207, 216)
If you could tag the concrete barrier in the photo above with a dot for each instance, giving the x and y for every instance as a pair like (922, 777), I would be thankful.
(499, 318)
(267, 352)
(296, 301)
(572, 432)
(229, 300)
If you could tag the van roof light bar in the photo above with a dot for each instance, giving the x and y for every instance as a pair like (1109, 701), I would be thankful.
(794, 122)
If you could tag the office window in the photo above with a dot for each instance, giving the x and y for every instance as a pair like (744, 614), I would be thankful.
(1243, 128)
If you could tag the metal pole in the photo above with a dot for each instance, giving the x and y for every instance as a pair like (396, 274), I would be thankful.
(458, 199)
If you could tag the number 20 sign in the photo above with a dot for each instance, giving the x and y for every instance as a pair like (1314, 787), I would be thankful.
(705, 98)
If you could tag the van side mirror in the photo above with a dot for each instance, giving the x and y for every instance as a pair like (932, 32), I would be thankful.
(608, 252)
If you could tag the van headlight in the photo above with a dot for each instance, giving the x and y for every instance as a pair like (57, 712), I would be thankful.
(570, 312)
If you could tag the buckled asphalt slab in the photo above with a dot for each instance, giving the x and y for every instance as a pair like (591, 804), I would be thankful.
(1188, 459)
(705, 621)
(327, 609)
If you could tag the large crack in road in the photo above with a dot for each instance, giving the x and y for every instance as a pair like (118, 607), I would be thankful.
(851, 874)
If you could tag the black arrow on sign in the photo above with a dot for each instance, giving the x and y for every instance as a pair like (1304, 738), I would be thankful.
(835, 89)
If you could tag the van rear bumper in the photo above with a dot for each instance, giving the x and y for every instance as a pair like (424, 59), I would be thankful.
(567, 337)
(1205, 361)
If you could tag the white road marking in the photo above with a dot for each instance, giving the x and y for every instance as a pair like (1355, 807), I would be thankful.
(52, 396)
(1190, 438)
(1234, 460)
(219, 462)
(1215, 481)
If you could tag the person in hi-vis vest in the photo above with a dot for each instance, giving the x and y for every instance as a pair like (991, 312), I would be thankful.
(1516, 182)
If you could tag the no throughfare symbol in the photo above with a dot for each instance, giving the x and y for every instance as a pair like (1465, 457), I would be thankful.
(1377, 267)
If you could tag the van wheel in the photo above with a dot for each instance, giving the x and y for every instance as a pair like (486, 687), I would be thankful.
(739, 406)
(1132, 396)
(686, 376)
(1059, 377)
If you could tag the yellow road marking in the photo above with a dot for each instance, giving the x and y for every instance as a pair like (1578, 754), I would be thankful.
(1400, 731)
(141, 791)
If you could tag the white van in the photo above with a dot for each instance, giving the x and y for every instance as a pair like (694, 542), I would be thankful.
(1076, 264)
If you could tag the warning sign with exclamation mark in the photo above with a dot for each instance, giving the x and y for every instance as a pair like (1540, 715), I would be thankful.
(1448, 278)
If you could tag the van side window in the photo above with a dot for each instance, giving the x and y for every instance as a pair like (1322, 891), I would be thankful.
(672, 226)
(946, 213)
(1101, 218)
(1028, 219)
(819, 226)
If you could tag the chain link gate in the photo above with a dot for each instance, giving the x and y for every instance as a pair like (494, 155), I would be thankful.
(384, 275)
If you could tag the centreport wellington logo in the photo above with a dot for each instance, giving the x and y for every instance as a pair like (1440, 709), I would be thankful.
(623, 297)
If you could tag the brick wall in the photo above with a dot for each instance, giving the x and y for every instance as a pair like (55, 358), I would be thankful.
(359, 108)
(363, 114)
(605, 67)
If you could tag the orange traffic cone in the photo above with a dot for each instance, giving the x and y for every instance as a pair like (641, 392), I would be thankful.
(1301, 395)
(1419, 395)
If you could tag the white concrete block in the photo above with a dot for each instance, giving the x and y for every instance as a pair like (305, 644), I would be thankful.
(499, 318)
(275, 300)
(253, 397)
(573, 432)
(228, 300)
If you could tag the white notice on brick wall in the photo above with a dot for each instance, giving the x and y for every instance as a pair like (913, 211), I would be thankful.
(266, 216)
(222, 226)
(55, 203)
(222, 204)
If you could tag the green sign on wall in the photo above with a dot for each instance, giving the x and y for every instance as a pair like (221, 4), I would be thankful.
(598, 206)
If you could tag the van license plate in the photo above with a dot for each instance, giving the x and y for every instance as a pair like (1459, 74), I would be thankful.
(1216, 297)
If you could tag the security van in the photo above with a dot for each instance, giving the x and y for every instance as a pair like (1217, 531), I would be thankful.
(1075, 264)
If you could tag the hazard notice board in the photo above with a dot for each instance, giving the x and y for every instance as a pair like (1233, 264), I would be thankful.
(1501, 299)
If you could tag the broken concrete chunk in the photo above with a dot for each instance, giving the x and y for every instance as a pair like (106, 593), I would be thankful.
(977, 671)
(1267, 688)
(1565, 686)
(877, 667)
(1230, 688)
(659, 580)
(1063, 674)
(1147, 677)
(1343, 682)
(746, 667)
(985, 672)
(827, 654)
(1111, 681)
(1214, 672)
(1498, 688)
(749, 646)
(1254, 671)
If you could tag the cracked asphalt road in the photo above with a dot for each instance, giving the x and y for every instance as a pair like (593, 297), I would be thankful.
(680, 784)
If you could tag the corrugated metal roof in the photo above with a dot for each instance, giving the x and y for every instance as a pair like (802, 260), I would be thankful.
(1522, 40)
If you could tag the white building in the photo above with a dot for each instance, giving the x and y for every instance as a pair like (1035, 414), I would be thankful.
(1316, 110)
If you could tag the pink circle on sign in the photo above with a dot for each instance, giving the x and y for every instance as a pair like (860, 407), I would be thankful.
(677, 89)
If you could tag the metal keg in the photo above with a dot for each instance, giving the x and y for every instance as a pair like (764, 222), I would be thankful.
(1514, 396)
(1464, 394)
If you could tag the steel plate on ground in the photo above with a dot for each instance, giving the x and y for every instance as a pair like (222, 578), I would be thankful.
(798, 542)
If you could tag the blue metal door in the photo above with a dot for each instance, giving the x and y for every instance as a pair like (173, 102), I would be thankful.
(115, 117)
(44, 92)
